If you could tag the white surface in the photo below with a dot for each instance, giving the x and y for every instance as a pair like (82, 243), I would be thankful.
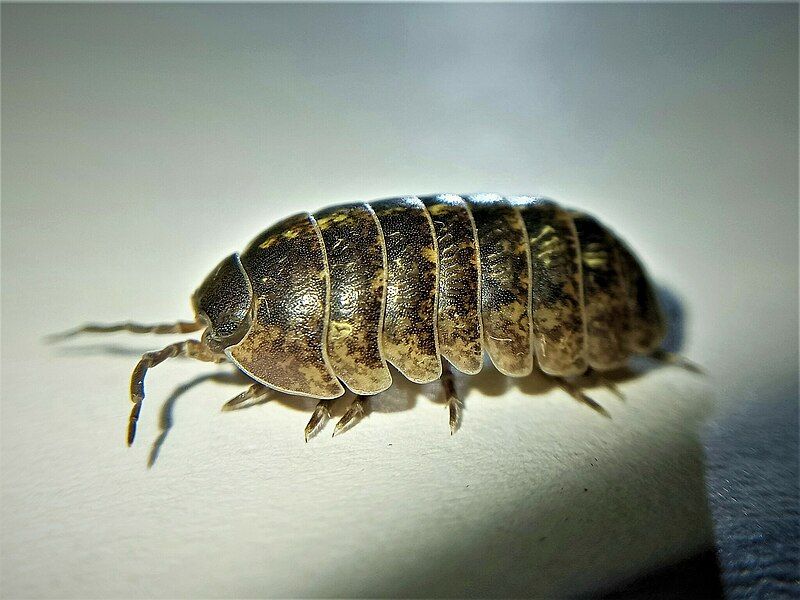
(141, 144)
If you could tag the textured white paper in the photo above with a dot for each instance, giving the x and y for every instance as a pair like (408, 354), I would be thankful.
(143, 143)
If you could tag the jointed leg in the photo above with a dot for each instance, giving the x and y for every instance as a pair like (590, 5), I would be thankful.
(255, 393)
(191, 348)
(670, 358)
(320, 416)
(453, 401)
(178, 327)
(601, 379)
(353, 415)
(576, 393)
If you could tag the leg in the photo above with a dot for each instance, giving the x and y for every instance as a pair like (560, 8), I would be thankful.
(453, 401)
(178, 327)
(353, 415)
(670, 358)
(321, 415)
(255, 393)
(601, 379)
(576, 393)
(191, 348)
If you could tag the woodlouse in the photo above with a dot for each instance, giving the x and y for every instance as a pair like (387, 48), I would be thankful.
(319, 303)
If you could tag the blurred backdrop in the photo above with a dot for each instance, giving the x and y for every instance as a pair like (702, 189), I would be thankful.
(141, 143)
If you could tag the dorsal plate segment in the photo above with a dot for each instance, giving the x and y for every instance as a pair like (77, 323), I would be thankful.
(357, 265)
(409, 328)
(459, 321)
(647, 326)
(505, 283)
(604, 296)
(556, 289)
(285, 347)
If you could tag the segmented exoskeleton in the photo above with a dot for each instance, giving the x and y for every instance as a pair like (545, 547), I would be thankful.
(322, 302)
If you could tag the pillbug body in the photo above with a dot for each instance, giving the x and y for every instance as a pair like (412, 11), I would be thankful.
(324, 302)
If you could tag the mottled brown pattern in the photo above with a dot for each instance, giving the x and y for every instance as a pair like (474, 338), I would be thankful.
(284, 348)
(405, 279)
(556, 287)
(357, 266)
(459, 322)
(505, 283)
(647, 325)
(604, 295)
(409, 328)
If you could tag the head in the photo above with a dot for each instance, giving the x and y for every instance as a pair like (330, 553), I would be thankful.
(222, 303)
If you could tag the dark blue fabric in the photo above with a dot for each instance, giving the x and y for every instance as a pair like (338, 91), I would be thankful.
(752, 478)
(753, 493)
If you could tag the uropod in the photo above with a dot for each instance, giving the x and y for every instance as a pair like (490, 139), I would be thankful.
(324, 302)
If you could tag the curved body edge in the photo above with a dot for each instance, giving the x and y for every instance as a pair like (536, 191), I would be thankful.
(284, 348)
(410, 340)
(505, 273)
(339, 295)
(557, 302)
(356, 257)
(459, 323)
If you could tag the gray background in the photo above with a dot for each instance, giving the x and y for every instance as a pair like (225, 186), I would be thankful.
(142, 143)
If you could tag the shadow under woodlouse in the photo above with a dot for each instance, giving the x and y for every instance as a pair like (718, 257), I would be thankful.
(103, 350)
(675, 317)
(403, 394)
(166, 417)
(400, 397)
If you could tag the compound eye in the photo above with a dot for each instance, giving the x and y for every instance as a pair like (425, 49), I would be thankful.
(228, 323)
